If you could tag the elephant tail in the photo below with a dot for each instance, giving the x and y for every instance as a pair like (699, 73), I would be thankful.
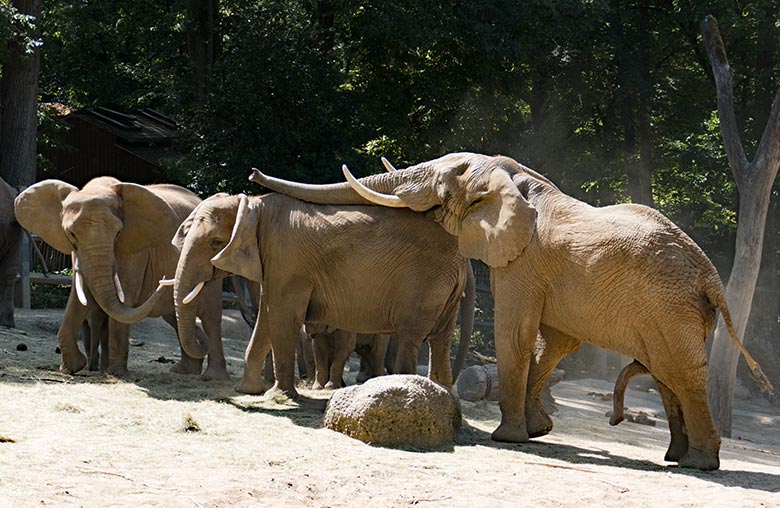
(718, 298)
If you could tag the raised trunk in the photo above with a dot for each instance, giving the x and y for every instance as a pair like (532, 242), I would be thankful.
(99, 276)
(187, 277)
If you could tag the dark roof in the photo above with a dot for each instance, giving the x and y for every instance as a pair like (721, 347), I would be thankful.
(138, 126)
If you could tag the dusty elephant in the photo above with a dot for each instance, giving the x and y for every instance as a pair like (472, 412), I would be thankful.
(10, 253)
(120, 237)
(332, 348)
(621, 277)
(366, 269)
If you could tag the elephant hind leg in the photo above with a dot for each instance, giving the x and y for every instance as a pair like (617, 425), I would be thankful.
(690, 388)
(551, 347)
(187, 365)
(678, 446)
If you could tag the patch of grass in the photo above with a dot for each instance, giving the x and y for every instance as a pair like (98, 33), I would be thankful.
(66, 408)
(6, 439)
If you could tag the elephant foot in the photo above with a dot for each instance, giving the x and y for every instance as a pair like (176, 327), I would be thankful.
(676, 451)
(538, 424)
(276, 392)
(118, 370)
(362, 377)
(700, 459)
(73, 363)
(94, 365)
(215, 373)
(316, 385)
(330, 385)
(251, 386)
(510, 433)
(187, 366)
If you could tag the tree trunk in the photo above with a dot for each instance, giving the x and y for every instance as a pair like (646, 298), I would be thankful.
(18, 100)
(754, 183)
(202, 18)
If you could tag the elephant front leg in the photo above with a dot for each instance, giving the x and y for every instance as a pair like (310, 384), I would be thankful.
(516, 329)
(211, 318)
(73, 360)
(118, 347)
(550, 348)
(252, 381)
(186, 365)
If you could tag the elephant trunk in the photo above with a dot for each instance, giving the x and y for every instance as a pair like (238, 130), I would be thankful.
(186, 286)
(100, 277)
(399, 182)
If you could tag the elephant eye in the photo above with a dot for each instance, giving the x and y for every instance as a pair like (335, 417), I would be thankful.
(477, 202)
(217, 244)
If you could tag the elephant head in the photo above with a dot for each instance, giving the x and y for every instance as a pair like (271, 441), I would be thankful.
(105, 220)
(218, 237)
(479, 199)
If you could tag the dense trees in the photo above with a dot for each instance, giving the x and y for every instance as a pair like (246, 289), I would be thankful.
(612, 99)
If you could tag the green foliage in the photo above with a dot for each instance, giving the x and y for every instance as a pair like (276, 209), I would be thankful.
(298, 88)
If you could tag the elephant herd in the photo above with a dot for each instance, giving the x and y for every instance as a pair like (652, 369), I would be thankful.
(621, 277)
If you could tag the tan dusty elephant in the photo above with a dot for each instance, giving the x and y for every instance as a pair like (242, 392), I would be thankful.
(621, 277)
(120, 237)
(332, 348)
(366, 269)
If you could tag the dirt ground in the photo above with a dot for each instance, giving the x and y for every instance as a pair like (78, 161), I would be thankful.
(159, 439)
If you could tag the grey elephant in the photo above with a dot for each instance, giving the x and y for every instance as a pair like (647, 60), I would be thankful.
(10, 253)
(366, 269)
(621, 277)
(120, 237)
(332, 348)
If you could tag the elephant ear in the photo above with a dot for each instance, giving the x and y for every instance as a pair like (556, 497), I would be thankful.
(148, 221)
(499, 227)
(39, 210)
(242, 254)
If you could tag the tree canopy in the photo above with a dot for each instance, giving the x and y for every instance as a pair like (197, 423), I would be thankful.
(614, 100)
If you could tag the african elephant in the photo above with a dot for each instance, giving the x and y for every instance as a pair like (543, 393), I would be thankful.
(10, 253)
(332, 348)
(367, 269)
(120, 237)
(621, 277)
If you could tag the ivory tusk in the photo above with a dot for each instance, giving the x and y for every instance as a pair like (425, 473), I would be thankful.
(78, 280)
(167, 282)
(190, 297)
(371, 195)
(119, 291)
(389, 167)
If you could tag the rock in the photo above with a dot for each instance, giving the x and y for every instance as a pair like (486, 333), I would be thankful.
(397, 410)
(21, 347)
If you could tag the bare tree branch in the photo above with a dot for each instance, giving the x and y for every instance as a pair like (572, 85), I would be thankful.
(767, 156)
(725, 87)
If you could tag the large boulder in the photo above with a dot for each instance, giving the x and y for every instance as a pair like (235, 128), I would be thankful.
(399, 410)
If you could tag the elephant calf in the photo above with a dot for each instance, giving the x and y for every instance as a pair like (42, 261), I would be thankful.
(366, 269)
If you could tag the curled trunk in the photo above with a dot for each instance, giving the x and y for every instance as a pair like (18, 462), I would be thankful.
(187, 278)
(99, 276)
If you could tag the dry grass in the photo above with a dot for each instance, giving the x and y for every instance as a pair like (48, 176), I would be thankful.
(158, 439)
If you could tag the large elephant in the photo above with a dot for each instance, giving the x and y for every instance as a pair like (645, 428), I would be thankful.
(621, 277)
(365, 269)
(10, 253)
(120, 237)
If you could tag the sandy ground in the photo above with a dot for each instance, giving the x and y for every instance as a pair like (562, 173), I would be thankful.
(159, 439)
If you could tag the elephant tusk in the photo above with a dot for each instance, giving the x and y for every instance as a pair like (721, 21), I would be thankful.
(167, 282)
(389, 167)
(372, 195)
(119, 291)
(190, 297)
(79, 281)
